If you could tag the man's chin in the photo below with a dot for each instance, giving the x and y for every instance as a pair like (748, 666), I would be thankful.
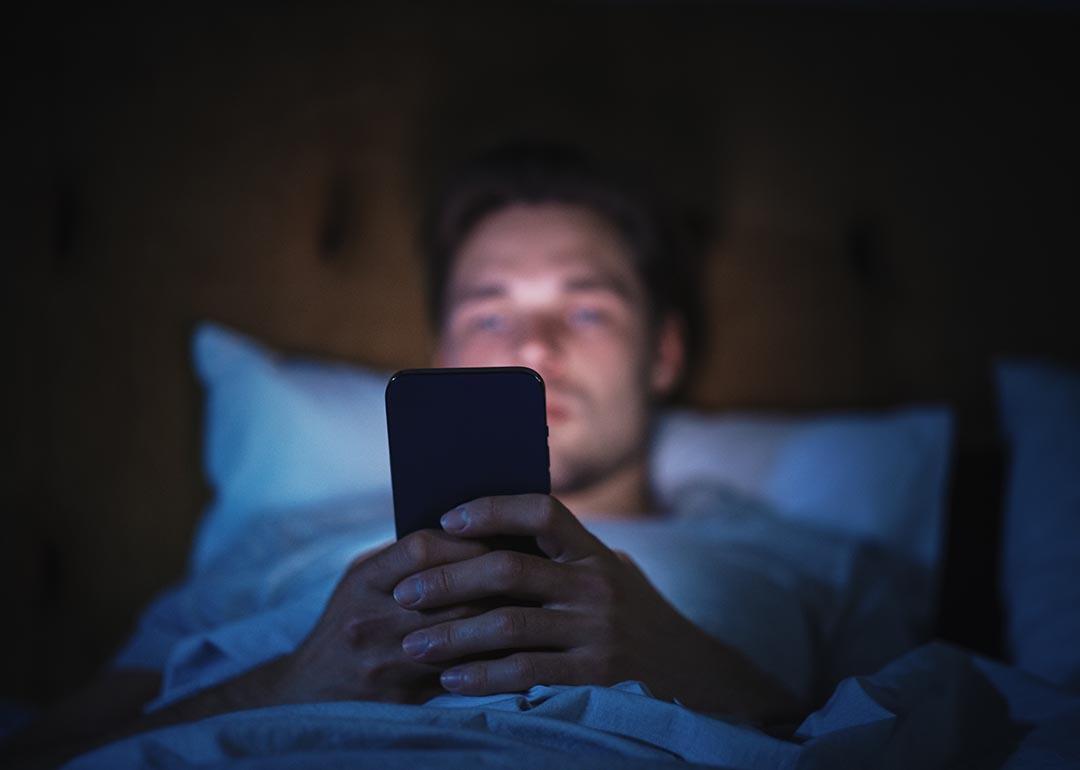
(570, 478)
(564, 483)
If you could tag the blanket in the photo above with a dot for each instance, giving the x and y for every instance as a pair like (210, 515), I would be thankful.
(806, 606)
(934, 707)
(823, 614)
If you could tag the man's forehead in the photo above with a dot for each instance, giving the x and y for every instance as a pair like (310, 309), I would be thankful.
(555, 274)
(567, 245)
(556, 268)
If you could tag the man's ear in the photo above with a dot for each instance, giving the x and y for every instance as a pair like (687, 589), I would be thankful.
(669, 355)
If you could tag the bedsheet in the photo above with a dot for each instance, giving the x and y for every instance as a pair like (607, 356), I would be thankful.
(806, 606)
(934, 707)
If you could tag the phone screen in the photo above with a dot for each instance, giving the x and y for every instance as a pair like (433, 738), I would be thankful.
(459, 434)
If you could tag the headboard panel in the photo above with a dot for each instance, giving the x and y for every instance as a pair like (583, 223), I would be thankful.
(885, 222)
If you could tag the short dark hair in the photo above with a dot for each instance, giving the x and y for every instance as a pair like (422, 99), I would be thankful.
(550, 173)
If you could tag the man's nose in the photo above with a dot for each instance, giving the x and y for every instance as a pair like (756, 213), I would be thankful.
(540, 346)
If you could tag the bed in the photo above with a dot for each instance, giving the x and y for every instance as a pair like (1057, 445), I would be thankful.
(856, 584)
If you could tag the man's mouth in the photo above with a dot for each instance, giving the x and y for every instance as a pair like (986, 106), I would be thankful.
(563, 401)
(557, 412)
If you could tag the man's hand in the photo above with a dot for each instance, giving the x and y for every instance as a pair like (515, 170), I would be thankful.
(598, 619)
(354, 651)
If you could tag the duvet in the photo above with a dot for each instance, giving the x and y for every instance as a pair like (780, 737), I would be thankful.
(834, 621)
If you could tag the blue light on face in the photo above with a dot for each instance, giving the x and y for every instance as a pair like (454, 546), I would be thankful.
(587, 317)
(492, 322)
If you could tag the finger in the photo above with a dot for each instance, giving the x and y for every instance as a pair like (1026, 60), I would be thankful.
(507, 628)
(513, 673)
(558, 533)
(419, 619)
(388, 628)
(498, 573)
(414, 553)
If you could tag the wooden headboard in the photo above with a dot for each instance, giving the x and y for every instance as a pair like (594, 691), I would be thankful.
(887, 216)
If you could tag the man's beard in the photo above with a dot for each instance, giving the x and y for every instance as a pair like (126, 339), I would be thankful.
(586, 463)
(586, 472)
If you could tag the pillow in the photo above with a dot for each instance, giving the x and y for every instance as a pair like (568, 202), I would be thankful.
(1040, 416)
(880, 476)
(283, 432)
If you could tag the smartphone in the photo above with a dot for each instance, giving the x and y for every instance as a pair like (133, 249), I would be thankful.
(459, 434)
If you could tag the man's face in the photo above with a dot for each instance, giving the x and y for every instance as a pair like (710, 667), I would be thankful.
(553, 287)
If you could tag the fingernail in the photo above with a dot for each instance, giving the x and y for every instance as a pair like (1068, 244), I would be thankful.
(408, 593)
(416, 644)
(453, 679)
(455, 520)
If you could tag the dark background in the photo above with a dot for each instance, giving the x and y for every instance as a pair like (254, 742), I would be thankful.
(890, 194)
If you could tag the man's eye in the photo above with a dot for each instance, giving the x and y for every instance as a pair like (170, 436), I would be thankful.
(490, 322)
(587, 316)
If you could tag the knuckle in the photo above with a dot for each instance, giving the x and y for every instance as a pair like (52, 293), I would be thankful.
(441, 583)
(523, 669)
(442, 637)
(419, 546)
(547, 513)
(358, 630)
(509, 624)
(479, 678)
(502, 624)
(487, 513)
(508, 568)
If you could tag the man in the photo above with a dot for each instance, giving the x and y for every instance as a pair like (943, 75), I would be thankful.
(536, 260)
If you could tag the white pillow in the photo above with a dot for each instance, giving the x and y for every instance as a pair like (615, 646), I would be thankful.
(1040, 414)
(881, 476)
(282, 432)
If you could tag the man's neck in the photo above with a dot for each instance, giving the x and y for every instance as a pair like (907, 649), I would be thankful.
(622, 495)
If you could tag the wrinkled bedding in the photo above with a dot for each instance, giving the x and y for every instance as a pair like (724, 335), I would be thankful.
(808, 607)
(819, 612)
(934, 707)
